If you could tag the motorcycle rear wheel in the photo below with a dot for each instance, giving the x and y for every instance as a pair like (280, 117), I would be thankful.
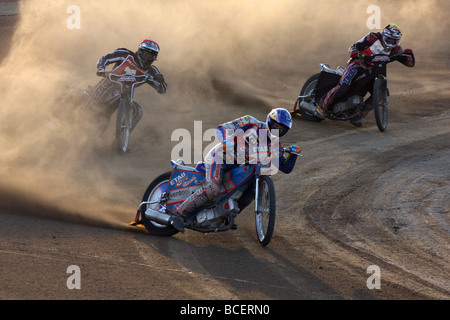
(123, 125)
(380, 103)
(308, 89)
(154, 192)
(266, 211)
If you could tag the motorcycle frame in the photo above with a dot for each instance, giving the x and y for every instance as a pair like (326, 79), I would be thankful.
(379, 71)
(127, 90)
(159, 217)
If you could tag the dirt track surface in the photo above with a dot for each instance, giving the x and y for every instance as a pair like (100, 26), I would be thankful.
(357, 198)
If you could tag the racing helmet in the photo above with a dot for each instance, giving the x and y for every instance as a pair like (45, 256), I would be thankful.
(281, 117)
(147, 53)
(391, 35)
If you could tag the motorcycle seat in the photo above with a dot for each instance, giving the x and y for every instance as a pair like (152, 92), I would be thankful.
(179, 164)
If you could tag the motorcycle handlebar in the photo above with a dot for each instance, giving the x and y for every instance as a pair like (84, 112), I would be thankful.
(293, 149)
(130, 76)
(143, 78)
(383, 58)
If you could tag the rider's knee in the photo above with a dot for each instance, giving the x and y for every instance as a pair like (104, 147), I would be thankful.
(212, 190)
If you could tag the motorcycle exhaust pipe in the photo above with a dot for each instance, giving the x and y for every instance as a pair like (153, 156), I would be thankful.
(307, 106)
(159, 217)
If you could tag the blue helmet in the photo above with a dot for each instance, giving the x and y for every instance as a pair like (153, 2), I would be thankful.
(279, 116)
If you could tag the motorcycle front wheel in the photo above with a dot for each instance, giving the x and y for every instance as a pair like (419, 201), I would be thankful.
(153, 193)
(123, 125)
(380, 103)
(266, 210)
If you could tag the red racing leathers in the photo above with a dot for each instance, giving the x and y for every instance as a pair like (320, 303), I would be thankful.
(359, 64)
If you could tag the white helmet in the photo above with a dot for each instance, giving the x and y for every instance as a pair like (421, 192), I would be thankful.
(391, 35)
(147, 53)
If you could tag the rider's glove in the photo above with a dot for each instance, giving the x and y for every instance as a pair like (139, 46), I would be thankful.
(159, 77)
(410, 60)
(100, 72)
(408, 52)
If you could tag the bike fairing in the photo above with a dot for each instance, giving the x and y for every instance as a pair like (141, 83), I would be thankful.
(183, 179)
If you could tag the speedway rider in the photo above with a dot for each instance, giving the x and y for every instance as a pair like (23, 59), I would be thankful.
(139, 62)
(387, 42)
(218, 160)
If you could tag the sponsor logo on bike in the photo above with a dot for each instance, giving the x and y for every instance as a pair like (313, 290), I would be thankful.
(129, 79)
(130, 67)
(177, 178)
(183, 193)
(380, 58)
(188, 182)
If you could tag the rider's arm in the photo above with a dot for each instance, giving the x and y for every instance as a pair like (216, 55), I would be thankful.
(285, 164)
(117, 55)
(244, 123)
(407, 56)
(362, 44)
(157, 81)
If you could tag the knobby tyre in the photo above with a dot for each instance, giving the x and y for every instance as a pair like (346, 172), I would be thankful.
(123, 125)
(266, 210)
(380, 103)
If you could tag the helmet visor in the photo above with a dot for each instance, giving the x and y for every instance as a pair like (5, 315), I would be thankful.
(391, 41)
(148, 55)
(282, 129)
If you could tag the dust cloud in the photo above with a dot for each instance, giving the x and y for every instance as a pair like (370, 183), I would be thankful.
(236, 56)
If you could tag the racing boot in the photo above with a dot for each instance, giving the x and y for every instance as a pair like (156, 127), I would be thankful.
(356, 121)
(365, 109)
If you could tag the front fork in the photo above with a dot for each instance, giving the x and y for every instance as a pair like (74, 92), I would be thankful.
(256, 193)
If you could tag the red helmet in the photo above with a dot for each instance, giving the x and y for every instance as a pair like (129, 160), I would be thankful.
(147, 53)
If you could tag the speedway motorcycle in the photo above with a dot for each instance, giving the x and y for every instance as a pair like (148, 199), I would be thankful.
(350, 105)
(170, 189)
(128, 77)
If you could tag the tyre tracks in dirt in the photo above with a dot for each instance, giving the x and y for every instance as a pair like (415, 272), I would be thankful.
(358, 204)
